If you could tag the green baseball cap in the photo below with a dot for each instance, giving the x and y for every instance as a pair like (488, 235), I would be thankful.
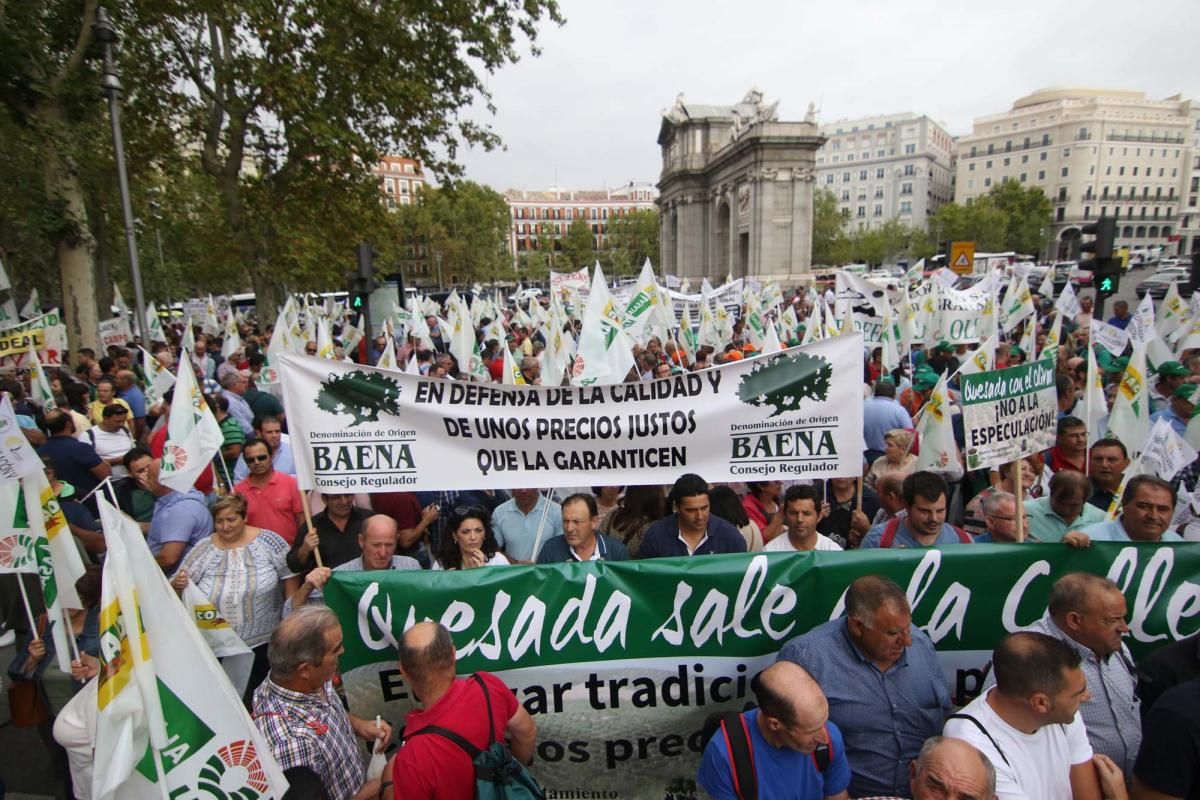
(1186, 391)
(944, 347)
(1172, 369)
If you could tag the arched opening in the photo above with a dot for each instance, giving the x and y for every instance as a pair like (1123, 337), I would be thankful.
(1140, 233)
(1068, 245)
(1127, 232)
(721, 246)
(1153, 231)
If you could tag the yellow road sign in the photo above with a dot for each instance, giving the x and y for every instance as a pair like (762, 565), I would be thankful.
(962, 257)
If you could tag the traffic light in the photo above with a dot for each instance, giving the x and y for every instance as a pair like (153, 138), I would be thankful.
(363, 282)
(1105, 269)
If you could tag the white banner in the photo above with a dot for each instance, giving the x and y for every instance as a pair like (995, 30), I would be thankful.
(574, 280)
(54, 339)
(1009, 413)
(1165, 452)
(797, 414)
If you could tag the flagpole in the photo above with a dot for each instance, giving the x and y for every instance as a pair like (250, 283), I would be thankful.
(70, 631)
(537, 541)
(161, 773)
(308, 521)
(33, 628)
(1019, 492)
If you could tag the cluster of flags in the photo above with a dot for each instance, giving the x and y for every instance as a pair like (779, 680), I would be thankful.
(169, 721)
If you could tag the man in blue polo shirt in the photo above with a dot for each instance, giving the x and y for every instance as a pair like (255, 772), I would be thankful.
(924, 522)
(691, 530)
(790, 723)
(1147, 507)
(515, 523)
(885, 686)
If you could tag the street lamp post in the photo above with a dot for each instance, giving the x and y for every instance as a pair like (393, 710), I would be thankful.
(106, 34)
(437, 256)
(155, 207)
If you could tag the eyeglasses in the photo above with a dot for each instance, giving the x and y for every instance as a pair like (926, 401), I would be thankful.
(256, 459)
(1007, 519)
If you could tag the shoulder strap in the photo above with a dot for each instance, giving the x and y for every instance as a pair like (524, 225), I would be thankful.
(487, 701)
(963, 536)
(741, 755)
(983, 730)
(889, 532)
(91, 432)
(823, 756)
(471, 750)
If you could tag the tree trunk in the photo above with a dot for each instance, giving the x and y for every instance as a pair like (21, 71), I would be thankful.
(74, 246)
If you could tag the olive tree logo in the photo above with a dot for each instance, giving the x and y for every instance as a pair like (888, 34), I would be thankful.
(783, 381)
(362, 395)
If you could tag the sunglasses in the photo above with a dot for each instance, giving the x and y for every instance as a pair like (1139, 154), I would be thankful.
(462, 511)
(256, 459)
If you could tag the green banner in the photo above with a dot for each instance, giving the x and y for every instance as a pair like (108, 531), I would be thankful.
(621, 662)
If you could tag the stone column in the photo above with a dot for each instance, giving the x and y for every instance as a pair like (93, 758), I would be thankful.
(802, 220)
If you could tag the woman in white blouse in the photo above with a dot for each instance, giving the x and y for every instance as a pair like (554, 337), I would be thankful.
(244, 571)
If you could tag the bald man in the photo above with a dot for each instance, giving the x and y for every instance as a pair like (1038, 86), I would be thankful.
(789, 726)
(431, 765)
(951, 769)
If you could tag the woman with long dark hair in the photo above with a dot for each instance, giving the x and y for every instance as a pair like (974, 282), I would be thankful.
(726, 504)
(471, 542)
(640, 508)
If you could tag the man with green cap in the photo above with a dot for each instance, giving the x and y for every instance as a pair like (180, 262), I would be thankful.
(941, 358)
(1182, 404)
(914, 397)
(1171, 375)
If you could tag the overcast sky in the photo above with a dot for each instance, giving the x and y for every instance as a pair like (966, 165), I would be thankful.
(587, 111)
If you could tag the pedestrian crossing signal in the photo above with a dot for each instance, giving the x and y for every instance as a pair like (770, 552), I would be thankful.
(1108, 285)
(358, 301)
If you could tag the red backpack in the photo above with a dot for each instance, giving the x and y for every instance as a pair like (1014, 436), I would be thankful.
(893, 525)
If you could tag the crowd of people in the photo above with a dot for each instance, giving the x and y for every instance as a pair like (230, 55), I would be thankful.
(1068, 714)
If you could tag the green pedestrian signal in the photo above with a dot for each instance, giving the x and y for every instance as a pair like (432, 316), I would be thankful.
(357, 302)
(1107, 285)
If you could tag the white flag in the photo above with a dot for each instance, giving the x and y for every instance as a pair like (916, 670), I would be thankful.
(163, 689)
(1068, 303)
(1174, 312)
(193, 434)
(981, 359)
(4, 284)
(32, 307)
(159, 378)
(1053, 338)
(154, 328)
(39, 387)
(1046, 290)
(938, 449)
(1110, 337)
(1141, 325)
(1130, 417)
(59, 563)
(604, 354)
(512, 371)
(1095, 404)
(1165, 451)
(236, 658)
(387, 359)
(1018, 303)
(17, 456)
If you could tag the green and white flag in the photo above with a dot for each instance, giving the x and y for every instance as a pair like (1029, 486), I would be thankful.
(211, 325)
(33, 306)
(233, 340)
(169, 723)
(982, 359)
(1173, 312)
(1046, 289)
(17, 456)
(193, 435)
(324, 339)
(512, 371)
(158, 378)
(387, 359)
(154, 328)
(645, 306)
(1053, 338)
(605, 353)
(58, 562)
(1018, 304)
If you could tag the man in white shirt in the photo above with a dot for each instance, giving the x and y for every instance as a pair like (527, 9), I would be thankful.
(111, 438)
(1028, 725)
(801, 513)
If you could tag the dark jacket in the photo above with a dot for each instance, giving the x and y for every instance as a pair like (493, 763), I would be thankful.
(556, 549)
(662, 539)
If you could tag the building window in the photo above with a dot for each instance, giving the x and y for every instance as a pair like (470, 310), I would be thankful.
(879, 173)
(862, 175)
(829, 178)
(1024, 177)
(878, 210)
(1041, 175)
(1024, 159)
(909, 169)
(1059, 214)
(1066, 152)
(862, 211)
(878, 192)
(987, 182)
(1045, 140)
(1066, 171)
(1087, 212)
(906, 207)
(987, 164)
(991, 149)
(971, 167)
(910, 149)
(1041, 157)
(845, 177)
(845, 194)
(393, 167)
(906, 188)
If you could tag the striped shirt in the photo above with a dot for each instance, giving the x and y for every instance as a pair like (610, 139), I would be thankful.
(311, 730)
(1113, 714)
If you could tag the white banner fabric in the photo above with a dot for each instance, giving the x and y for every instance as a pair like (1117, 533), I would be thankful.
(796, 414)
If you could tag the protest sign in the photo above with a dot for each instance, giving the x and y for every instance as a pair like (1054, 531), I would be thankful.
(795, 414)
(1009, 413)
(620, 662)
(114, 331)
(573, 280)
(13, 343)
(50, 350)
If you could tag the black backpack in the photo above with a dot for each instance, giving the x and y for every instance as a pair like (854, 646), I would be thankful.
(498, 774)
(738, 744)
